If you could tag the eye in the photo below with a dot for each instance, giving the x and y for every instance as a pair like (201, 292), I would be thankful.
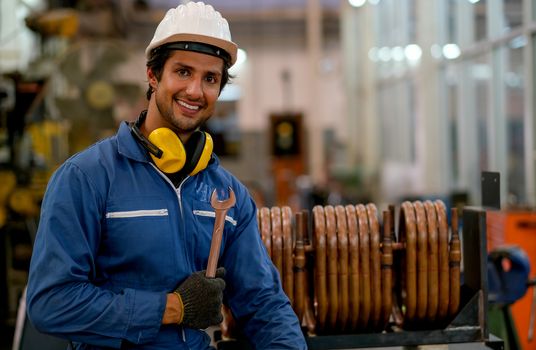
(183, 72)
(212, 79)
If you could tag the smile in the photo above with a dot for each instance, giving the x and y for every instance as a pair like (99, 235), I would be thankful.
(186, 105)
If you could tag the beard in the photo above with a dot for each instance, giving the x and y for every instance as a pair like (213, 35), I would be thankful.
(179, 123)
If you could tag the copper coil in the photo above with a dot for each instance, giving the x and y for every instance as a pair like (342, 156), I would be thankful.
(386, 269)
(364, 266)
(353, 263)
(277, 239)
(259, 218)
(353, 247)
(375, 266)
(444, 283)
(343, 280)
(433, 261)
(407, 290)
(299, 267)
(321, 291)
(309, 320)
(288, 248)
(422, 260)
(454, 263)
(266, 229)
(333, 294)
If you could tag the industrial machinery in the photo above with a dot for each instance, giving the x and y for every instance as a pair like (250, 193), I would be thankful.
(356, 279)
(508, 281)
(93, 89)
(74, 93)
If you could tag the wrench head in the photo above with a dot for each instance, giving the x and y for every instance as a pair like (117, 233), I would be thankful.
(223, 204)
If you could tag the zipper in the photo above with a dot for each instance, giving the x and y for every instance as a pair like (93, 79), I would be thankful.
(179, 194)
(212, 214)
(136, 213)
(181, 212)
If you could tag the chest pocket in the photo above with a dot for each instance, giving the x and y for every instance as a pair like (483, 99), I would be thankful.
(205, 217)
(139, 244)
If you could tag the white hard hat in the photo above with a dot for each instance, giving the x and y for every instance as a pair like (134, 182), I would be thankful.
(195, 22)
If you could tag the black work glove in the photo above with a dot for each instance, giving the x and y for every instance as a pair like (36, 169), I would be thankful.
(202, 299)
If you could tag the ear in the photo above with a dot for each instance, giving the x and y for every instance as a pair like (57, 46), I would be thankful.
(151, 78)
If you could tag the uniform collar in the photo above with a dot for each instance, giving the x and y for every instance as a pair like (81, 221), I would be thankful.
(127, 144)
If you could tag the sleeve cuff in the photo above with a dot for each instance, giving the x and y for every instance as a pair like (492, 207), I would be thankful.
(145, 316)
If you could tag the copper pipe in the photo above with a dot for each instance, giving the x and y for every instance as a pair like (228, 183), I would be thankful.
(433, 261)
(288, 247)
(321, 298)
(408, 236)
(299, 269)
(375, 265)
(398, 245)
(353, 247)
(266, 229)
(333, 293)
(308, 320)
(386, 270)
(342, 245)
(422, 260)
(455, 258)
(277, 239)
(259, 219)
(443, 260)
(364, 266)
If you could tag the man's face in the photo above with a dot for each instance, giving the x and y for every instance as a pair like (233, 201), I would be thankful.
(187, 91)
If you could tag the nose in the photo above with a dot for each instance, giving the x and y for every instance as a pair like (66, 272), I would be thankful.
(194, 90)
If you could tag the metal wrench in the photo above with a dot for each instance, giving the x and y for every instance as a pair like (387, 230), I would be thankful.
(220, 209)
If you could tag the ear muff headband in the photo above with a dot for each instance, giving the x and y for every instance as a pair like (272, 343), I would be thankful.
(152, 149)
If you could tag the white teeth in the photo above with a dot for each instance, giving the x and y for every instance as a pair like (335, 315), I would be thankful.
(195, 108)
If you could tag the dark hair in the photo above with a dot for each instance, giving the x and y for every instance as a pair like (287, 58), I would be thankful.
(158, 58)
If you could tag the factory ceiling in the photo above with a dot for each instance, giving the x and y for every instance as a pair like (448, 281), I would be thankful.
(249, 5)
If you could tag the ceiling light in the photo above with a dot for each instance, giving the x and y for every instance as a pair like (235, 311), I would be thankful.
(451, 51)
(413, 52)
(397, 53)
(373, 54)
(384, 54)
(357, 3)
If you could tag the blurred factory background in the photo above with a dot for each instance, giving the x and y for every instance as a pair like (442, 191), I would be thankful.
(333, 102)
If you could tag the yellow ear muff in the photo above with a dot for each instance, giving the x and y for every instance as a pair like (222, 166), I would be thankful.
(206, 153)
(173, 153)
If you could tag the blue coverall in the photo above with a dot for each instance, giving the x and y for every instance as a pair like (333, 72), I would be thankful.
(115, 236)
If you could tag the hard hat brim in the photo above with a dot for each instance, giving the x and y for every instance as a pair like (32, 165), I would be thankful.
(229, 46)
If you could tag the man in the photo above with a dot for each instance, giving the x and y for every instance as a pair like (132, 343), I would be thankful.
(126, 225)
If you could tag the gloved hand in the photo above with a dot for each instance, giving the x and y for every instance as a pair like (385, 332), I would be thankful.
(202, 299)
